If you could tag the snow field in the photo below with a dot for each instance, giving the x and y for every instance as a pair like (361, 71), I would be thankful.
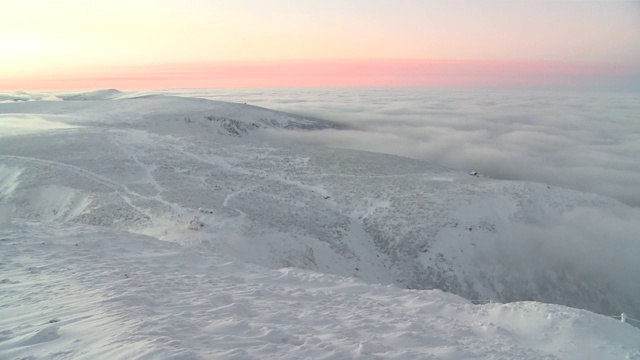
(303, 252)
(85, 293)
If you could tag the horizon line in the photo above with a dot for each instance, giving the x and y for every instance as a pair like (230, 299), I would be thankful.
(336, 73)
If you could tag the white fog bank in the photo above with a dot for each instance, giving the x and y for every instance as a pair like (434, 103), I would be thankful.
(586, 141)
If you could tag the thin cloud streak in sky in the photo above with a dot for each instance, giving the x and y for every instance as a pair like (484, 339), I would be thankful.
(365, 73)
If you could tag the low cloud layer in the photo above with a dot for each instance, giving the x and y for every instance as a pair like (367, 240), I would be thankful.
(585, 141)
(596, 244)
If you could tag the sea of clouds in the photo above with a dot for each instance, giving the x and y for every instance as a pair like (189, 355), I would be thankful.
(587, 141)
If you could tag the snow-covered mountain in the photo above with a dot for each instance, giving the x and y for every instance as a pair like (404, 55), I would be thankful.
(207, 177)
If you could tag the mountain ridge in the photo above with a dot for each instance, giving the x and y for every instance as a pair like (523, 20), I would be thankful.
(148, 164)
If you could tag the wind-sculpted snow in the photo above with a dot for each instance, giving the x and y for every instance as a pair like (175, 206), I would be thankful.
(153, 165)
(77, 292)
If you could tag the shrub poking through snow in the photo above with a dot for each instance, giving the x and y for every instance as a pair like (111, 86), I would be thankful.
(195, 224)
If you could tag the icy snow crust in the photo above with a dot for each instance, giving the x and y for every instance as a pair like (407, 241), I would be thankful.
(303, 252)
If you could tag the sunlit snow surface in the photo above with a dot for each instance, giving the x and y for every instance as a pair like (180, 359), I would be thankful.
(304, 251)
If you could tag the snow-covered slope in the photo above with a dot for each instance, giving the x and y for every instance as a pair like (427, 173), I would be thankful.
(165, 115)
(150, 164)
(77, 292)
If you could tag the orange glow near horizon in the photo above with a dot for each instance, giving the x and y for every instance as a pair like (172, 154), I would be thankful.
(150, 44)
(371, 73)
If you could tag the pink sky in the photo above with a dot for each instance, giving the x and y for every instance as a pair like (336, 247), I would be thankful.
(148, 44)
(364, 73)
